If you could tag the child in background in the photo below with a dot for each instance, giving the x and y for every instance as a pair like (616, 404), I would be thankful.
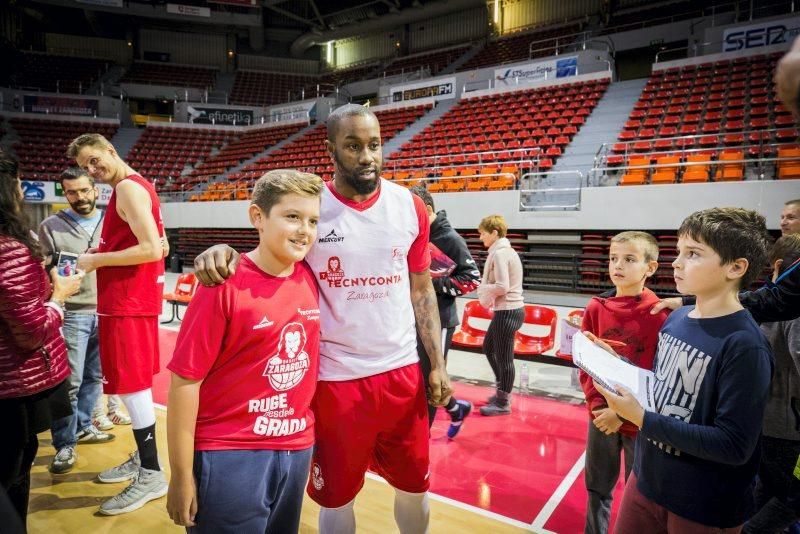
(622, 315)
(697, 454)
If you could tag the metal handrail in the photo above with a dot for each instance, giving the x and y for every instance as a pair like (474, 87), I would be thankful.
(526, 207)
(694, 46)
(391, 163)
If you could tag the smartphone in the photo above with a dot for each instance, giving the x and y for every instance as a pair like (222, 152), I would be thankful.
(67, 263)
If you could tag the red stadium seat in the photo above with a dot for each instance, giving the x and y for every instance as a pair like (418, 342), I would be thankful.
(529, 344)
(469, 335)
(182, 295)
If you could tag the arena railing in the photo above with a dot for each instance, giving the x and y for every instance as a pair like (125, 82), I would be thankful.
(709, 47)
(484, 158)
(528, 191)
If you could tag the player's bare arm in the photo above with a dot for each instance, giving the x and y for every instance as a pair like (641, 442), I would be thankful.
(429, 329)
(184, 400)
(214, 265)
(133, 205)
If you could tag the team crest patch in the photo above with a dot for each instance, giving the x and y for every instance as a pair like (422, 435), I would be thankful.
(316, 477)
(398, 255)
(335, 273)
(288, 367)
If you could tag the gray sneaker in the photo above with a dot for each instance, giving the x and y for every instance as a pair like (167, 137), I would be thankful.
(125, 471)
(499, 407)
(147, 485)
(64, 461)
(91, 434)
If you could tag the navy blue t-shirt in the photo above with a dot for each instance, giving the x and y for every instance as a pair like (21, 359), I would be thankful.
(698, 455)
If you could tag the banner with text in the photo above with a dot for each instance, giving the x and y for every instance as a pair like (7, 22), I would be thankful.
(51, 192)
(212, 115)
(765, 33)
(60, 105)
(300, 110)
(440, 89)
(192, 11)
(536, 72)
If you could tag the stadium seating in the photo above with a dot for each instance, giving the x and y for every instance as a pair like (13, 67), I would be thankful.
(704, 122)
(257, 88)
(182, 295)
(469, 335)
(516, 47)
(514, 132)
(170, 75)
(434, 61)
(58, 73)
(162, 153)
(529, 344)
(42, 144)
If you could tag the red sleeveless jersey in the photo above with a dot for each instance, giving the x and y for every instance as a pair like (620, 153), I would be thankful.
(130, 289)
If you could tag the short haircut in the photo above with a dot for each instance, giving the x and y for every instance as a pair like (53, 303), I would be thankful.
(787, 248)
(73, 173)
(492, 223)
(273, 185)
(423, 194)
(732, 233)
(643, 239)
(348, 110)
(89, 139)
(795, 202)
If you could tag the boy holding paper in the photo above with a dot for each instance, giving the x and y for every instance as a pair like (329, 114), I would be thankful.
(697, 454)
(621, 315)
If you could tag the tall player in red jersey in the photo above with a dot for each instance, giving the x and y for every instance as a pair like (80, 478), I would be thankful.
(371, 260)
(130, 279)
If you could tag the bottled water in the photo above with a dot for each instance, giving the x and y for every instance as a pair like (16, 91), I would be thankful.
(523, 378)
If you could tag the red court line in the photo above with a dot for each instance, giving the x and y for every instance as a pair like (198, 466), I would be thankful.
(509, 465)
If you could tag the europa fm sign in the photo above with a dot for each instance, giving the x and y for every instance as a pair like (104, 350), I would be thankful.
(767, 33)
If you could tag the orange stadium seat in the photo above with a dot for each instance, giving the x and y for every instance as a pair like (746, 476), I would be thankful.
(529, 344)
(182, 295)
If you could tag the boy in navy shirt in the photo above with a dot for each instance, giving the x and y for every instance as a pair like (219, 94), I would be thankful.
(697, 454)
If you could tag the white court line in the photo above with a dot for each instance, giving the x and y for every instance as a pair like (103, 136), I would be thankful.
(464, 506)
(170, 327)
(558, 495)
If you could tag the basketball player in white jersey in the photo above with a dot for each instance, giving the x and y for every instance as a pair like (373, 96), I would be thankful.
(371, 259)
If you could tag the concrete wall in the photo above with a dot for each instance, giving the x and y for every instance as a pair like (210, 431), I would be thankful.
(659, 207)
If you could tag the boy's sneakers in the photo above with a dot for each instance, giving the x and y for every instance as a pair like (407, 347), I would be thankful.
(125, 471)
(457, 416)
(147, 485)
(91, 434)
(119, 418)
(102, 422)
(64, 461)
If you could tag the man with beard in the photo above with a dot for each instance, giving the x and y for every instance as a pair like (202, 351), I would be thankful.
(370, 405)
(76, 230)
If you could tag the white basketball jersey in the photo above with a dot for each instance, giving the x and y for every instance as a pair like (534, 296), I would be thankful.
(360, 261)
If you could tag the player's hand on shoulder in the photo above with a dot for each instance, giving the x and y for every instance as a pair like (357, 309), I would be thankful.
(216, 264)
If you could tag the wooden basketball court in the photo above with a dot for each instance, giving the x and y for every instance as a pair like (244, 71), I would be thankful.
(68, 503)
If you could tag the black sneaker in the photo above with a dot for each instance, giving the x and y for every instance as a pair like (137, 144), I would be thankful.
(64, 460)
(457, 417)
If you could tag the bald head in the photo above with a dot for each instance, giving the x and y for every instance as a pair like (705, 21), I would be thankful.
(348, 110)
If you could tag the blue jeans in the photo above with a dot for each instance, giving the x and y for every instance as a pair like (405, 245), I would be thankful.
(85, 386)
(249, 491)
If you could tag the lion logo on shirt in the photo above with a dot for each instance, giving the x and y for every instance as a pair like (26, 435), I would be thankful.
(288, 367)
(335, 273)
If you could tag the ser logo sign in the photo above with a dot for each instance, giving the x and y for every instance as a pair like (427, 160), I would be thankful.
(756, 36)
(33, 191)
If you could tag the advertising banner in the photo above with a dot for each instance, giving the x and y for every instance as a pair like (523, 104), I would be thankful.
(192, 11)
(438, 89)
(766, 33)
(213, 115)
(536, 72)
(60, 105)
(51, 193)
(300, 110)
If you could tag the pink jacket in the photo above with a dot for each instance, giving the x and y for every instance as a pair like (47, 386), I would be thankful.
(33, 356)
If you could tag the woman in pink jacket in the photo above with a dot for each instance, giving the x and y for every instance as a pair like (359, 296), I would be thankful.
(33, 357)
(501, 291)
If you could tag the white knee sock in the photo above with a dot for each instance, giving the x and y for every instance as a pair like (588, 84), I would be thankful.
(411, 512)
(140, 408)
(340, 520)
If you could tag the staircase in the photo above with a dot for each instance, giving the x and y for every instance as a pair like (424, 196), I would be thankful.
(442, 107)
(466, 56)
(124, 140)
(560, 189)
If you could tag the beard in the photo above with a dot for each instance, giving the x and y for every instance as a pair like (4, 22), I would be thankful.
(84, 208)
(352, 177)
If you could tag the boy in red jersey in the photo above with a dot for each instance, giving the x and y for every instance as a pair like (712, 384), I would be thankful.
(621, 315)
(130, 279)
(240, 425)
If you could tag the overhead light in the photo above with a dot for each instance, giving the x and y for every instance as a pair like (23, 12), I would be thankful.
(496, 11)
(329, 52)
(230, 53)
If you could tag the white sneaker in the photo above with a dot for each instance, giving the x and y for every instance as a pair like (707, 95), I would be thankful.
(102, 422)
(124, 471)
(119, 418)
(147, 485)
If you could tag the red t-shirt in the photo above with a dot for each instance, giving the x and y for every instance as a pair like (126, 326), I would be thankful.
(628, 320)
(254, 342)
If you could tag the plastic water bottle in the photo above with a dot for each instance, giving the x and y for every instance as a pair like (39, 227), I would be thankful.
(523, 378)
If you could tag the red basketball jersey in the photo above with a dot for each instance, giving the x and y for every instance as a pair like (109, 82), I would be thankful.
(130, 289)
